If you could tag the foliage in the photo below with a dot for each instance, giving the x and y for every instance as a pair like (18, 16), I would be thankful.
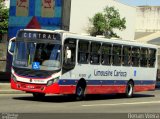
(99, 24)
(4, 15)
(104, 23)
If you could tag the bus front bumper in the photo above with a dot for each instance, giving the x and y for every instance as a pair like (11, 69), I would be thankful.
(39, 88)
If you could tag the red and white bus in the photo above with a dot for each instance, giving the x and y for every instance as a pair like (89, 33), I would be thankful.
(59, 62)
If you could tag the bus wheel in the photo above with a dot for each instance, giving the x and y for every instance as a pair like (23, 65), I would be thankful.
(80, 90)
(129, 89)
(38, 95)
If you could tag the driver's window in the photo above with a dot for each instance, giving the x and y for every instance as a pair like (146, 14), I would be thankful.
(69, 56)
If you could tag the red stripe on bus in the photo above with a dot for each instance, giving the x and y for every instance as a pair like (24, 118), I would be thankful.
(139, 88)
(105, 89)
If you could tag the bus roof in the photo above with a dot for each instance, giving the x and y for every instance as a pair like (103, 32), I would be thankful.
(92, 38)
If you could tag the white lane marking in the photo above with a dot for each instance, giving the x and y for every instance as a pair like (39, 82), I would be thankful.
(133, 103)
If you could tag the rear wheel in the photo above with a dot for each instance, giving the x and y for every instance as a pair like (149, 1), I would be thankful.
(129, 89)
(38, 95)
(80, 92)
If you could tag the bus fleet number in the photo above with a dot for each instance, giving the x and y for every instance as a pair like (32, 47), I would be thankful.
(82, 75)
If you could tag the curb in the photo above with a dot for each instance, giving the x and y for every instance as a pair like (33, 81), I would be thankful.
(11, 92)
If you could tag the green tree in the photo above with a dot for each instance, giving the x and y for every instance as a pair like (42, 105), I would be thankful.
(104, 23)
(98, 24)
(4, 15)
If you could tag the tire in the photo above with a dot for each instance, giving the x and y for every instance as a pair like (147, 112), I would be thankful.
(80, 92)
(129, 89)
(38, 95)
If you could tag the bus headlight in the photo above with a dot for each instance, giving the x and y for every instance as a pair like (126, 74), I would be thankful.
(50, 82)
(14, 78)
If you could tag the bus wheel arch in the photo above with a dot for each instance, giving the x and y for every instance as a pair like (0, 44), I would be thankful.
(129, 88)
(80, 89)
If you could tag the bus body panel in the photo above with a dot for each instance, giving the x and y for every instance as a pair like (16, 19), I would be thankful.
(113, 83)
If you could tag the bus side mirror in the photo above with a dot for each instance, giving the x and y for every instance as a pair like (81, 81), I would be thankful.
(68, 54)
(11, 45)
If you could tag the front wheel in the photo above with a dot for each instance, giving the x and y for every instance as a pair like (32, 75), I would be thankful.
(129, 89)
(38, 95)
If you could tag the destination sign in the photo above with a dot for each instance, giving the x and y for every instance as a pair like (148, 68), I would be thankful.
(39, 35)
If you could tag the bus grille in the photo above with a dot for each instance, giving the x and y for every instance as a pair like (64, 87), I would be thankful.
(29, 73)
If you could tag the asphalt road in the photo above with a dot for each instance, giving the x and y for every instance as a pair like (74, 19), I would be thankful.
(144, 102)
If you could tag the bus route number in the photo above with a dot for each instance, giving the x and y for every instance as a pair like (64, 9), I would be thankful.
(82, 75)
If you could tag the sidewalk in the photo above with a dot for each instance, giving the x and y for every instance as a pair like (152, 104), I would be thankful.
(5, 88)
(5, 84)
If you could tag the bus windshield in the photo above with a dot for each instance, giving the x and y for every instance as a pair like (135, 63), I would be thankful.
(46, 56)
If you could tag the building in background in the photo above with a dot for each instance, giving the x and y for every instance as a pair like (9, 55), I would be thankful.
(82, 10)
(148, 24)
(37, 14)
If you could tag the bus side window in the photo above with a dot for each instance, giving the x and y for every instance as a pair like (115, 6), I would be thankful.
(126, 58)
(116, 54)
(135, 56)
(69, 61)
(95, 53)
(106, 54)
(144, 57)
(83, 52)
(152, 57)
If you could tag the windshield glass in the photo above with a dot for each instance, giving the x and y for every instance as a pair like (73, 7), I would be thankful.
(37, 56)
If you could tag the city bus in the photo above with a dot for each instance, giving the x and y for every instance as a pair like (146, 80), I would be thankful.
(60, 62)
